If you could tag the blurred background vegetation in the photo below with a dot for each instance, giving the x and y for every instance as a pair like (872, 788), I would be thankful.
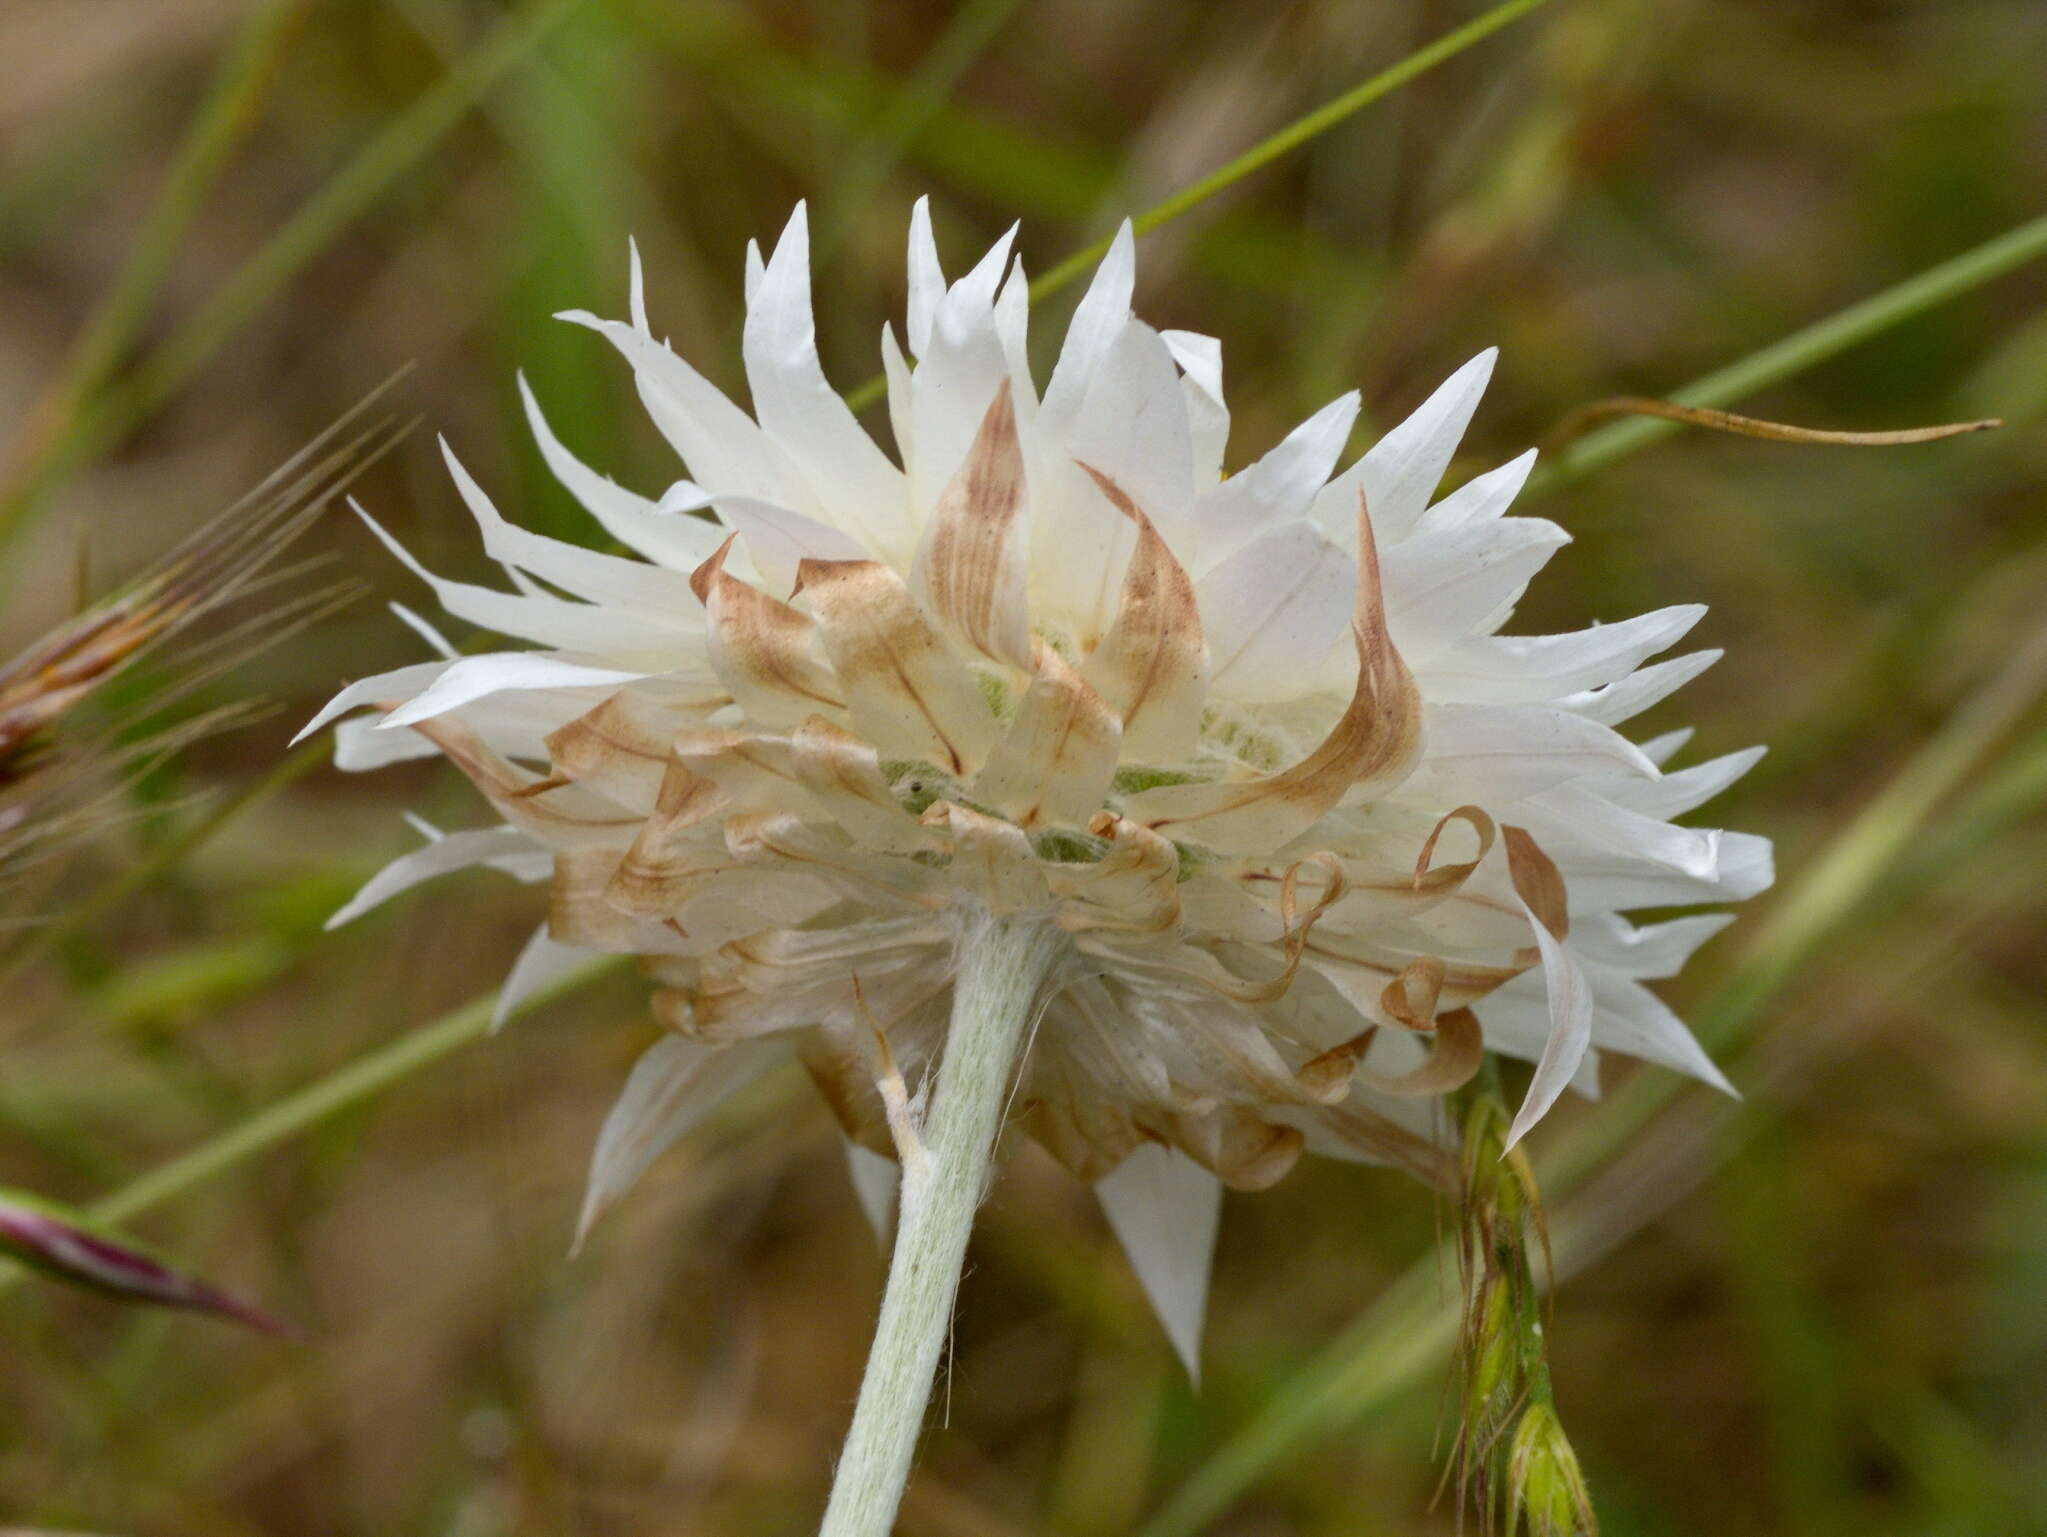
(1820, 1310)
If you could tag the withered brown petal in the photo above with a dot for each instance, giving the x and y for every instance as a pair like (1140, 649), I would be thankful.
(1133, 888)
(1538, 882)
(843, 774)
(1238, 1147)
(909, 691)
(1054, 764)
(991, 858)
(563, 815)
(619, 749)
(781, 840)
(765, 652)
(1373, 746)
(972, 566)
(1202, 967)
(661, 867)
(580, 911)
(1376, 1137)
(1454, 1061)
(1152, 665)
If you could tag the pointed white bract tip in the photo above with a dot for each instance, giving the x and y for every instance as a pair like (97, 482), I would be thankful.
(798, 227)
(1717, 1079)
(636, 285)
(424, 630)
(1661, 749)
(595, 1204)
(683, 497)
(383, 535)
(1164, 1208)
(539, 962)
(1475, 375)
(756, 269)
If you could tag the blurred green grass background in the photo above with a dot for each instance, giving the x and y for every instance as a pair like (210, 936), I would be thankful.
(1823, 1310)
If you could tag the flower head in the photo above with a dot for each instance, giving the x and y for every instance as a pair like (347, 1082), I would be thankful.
(1316, 835)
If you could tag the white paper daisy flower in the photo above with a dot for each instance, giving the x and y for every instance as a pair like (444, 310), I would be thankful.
(1312, 833)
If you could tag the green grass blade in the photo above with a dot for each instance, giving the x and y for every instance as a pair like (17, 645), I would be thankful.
(973, 28)
(1295, 134)
(342, 200)
(229, 110)
(1268, 150)
(337, 1092)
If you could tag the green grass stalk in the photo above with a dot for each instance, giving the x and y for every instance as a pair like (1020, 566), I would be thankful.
(230, 108)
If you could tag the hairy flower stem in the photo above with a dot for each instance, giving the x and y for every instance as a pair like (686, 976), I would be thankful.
(945, 1156)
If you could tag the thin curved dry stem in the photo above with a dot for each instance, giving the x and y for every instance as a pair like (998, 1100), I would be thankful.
(1588, 416)
(1807, 347)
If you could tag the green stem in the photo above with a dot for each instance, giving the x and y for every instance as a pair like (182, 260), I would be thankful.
(1295, 134)
(946, 1160)
(973, 28)
(1265, 152)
